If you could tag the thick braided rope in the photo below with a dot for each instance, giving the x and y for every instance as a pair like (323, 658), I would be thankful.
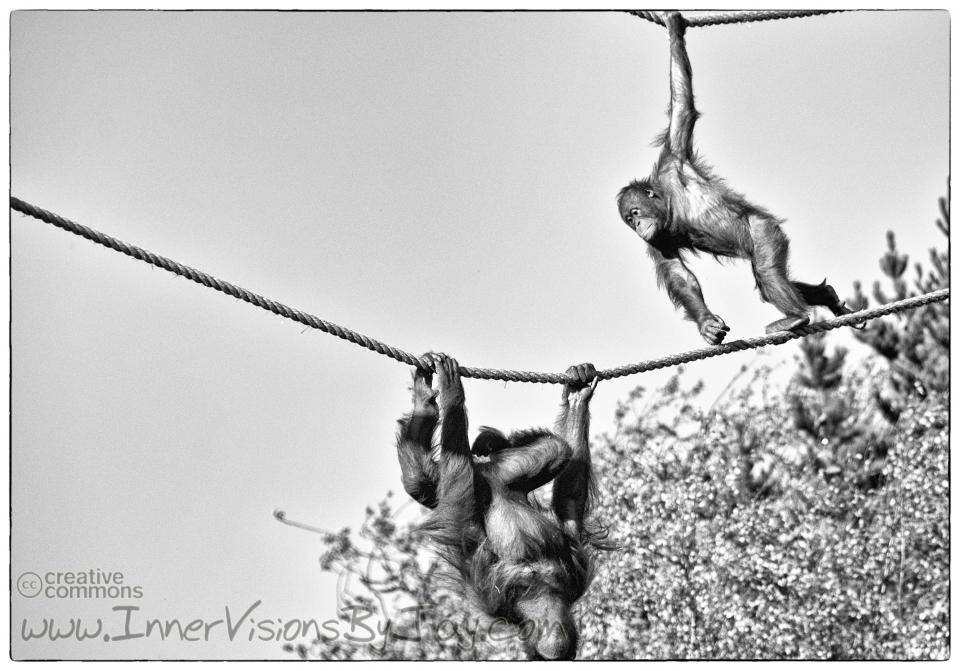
(476, 373)
(212, 282)
(736, 17)
(779, 337)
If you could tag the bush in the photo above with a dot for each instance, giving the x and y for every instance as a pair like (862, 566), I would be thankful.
(725, 559)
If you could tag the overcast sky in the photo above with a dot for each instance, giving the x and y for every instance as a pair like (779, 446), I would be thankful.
(436, 181)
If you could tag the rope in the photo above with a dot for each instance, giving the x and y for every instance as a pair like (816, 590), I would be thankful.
(736, 17)
(476, 373)
(780, 337)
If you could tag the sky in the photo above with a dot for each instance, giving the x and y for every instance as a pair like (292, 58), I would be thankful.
(437, 181)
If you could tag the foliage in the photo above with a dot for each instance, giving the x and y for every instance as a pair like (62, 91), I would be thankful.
(395, 600)
(845, 443)
(742, 549)
(916, 343)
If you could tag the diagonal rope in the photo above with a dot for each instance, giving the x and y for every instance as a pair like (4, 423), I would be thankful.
(476, 373)
(736, 17)
(212, 282)
(779, 337)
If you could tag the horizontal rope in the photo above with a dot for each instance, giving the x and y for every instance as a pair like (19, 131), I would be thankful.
(476, 373)
(736, 17)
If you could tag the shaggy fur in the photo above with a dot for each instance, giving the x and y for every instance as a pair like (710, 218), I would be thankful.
(513, 558)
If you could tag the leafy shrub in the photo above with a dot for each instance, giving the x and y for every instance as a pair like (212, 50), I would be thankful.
(716, 564)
